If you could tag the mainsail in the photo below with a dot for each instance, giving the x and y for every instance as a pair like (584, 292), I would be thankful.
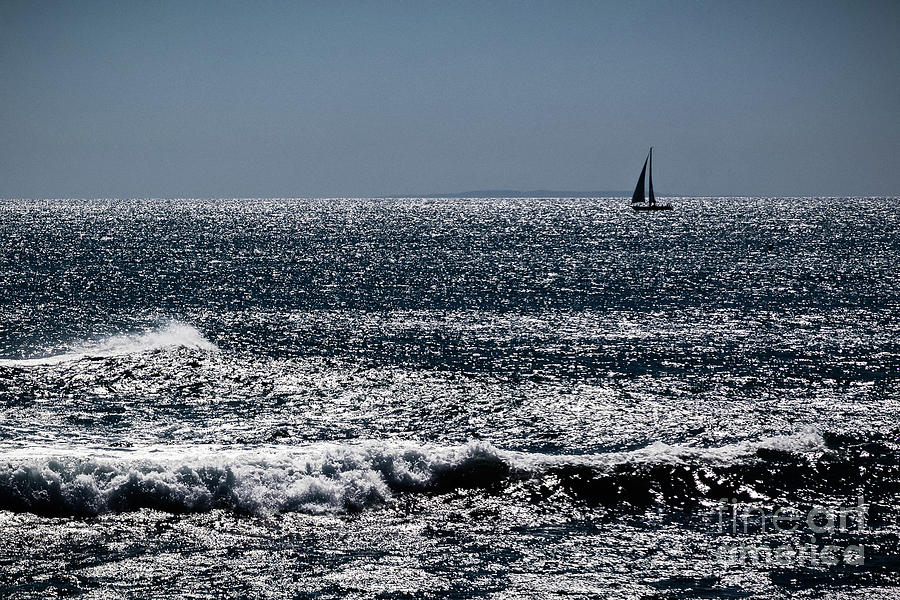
(638, 199)
(638, 195)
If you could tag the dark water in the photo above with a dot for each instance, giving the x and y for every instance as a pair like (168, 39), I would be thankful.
(449, 398)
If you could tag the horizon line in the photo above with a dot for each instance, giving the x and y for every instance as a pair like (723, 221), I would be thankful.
(474, 194)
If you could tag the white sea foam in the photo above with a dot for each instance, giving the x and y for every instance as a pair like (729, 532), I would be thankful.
(799, 443)
(319, 478)
(171, 334)
(316, 479)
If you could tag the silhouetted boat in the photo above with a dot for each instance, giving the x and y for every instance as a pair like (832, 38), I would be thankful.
(638, 199)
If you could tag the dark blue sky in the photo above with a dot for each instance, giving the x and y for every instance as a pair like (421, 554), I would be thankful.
(191, 98)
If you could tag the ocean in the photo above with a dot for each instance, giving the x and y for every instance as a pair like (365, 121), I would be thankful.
(450, 398)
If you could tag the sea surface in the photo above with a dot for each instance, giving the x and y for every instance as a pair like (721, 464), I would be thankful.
(454, 398)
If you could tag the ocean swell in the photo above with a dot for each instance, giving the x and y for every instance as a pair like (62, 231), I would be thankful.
(334, 478)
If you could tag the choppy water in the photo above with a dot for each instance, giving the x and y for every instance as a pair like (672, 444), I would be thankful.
(445, 398)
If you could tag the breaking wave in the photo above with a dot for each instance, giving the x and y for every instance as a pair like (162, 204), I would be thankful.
(316, 479)
(172, 334)
(332, 478)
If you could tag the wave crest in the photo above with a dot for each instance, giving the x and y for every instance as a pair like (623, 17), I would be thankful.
(319, 479)
(172, 334)
(333, 478)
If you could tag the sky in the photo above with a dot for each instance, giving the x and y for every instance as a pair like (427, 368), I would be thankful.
(179, 98)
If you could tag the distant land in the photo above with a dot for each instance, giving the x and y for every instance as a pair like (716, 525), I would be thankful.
(520, 194)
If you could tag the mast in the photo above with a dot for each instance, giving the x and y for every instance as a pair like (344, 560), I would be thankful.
(638, 195)
(652, 196)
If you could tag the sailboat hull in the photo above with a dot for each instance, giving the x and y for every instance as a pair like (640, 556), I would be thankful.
(652, 207)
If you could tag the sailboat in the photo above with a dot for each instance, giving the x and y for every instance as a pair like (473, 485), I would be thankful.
(638, 199)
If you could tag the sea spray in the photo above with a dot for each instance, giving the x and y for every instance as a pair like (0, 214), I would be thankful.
(170, 334)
